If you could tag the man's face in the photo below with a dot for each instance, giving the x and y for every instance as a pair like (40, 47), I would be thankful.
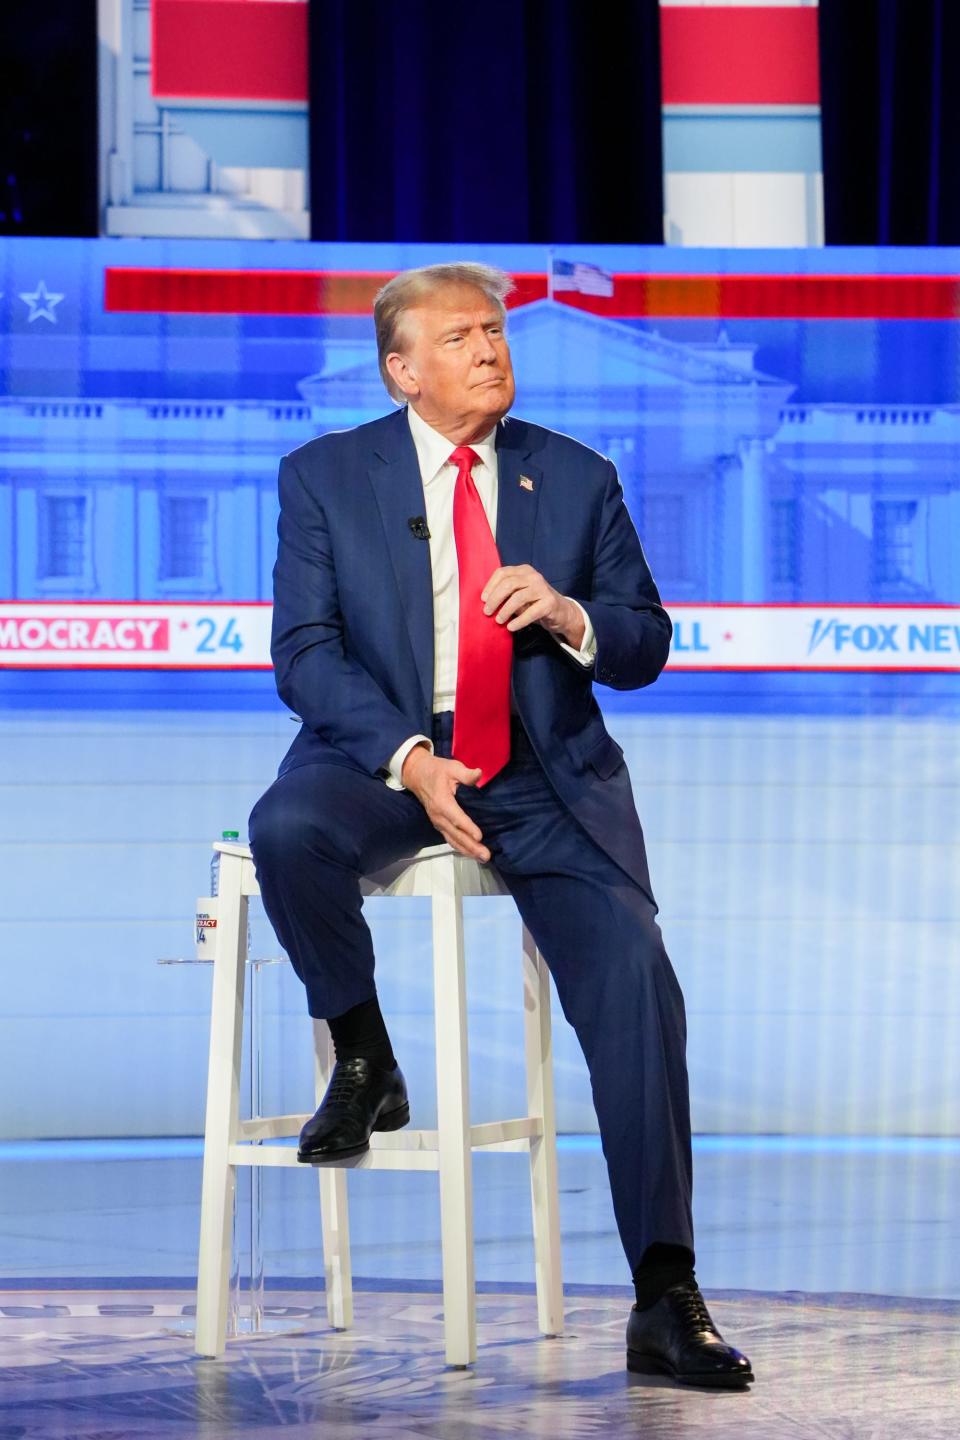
(454, 366)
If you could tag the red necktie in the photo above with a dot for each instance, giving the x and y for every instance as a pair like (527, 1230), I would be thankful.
(481, 714)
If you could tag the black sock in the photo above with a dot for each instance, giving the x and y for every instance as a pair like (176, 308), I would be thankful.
(661, 1267)
(360, 1033)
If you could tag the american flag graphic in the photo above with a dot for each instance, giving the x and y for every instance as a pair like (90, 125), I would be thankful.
(587, 279)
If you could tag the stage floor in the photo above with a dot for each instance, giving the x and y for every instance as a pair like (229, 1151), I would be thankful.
(77, 1365)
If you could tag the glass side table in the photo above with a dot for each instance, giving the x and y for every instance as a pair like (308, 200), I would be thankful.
(248, 1313)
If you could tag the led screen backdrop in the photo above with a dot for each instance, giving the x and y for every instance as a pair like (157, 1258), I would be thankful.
(203, 126)
(787, 430)
(788, 438)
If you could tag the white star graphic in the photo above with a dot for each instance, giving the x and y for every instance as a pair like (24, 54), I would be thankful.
(41, 303)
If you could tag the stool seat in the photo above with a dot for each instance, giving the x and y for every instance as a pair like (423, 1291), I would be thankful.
(416, 876)
(447, 878)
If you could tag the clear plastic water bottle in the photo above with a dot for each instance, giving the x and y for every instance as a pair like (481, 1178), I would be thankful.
(228, 835)
(231, 837)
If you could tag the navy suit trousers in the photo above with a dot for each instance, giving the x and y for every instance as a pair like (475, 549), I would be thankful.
(321, 826)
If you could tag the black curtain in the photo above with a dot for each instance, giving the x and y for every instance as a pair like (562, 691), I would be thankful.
(510, 120)
(890, 96)
(48, 118)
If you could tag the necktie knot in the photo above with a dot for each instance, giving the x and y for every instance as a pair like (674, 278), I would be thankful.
(464, 458)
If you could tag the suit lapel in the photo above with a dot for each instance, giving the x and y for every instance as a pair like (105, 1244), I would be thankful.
(518, 495)
(398, 488)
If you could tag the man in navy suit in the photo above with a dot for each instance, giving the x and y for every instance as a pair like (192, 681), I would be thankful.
(449, 585)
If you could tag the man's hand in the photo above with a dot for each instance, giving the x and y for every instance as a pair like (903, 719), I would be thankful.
(434, 781)
(520, 596)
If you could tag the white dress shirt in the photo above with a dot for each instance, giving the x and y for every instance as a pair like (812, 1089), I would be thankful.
(439, 481)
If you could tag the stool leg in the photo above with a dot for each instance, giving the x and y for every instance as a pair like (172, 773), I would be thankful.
(223, 1111)
(334, 1216)
(453, 1116)
(544, 1188)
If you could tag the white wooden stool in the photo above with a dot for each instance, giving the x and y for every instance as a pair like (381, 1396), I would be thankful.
(229, 1141)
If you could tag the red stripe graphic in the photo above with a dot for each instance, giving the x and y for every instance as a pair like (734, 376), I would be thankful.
(244, 50)
(262, 292)
(781, 297)
(739, 55)
(728, 297)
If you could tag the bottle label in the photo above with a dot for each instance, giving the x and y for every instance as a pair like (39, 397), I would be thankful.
(205, 927)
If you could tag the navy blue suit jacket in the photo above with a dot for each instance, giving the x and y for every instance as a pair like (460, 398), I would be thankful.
(353, 609)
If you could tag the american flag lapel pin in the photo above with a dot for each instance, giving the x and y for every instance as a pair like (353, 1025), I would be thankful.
(525, 482)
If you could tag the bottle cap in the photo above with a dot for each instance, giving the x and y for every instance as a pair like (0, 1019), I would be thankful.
(230, 835)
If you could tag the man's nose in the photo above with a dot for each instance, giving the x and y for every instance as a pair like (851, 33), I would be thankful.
(484, 350)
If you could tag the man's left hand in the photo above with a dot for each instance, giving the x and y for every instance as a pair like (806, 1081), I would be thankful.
(520, 596)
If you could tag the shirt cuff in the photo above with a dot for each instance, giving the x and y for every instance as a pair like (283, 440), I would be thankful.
(394, 766)
(588, 646)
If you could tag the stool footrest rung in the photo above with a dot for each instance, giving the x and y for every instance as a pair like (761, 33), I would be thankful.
(271, 1127)
(372, 1159)
(492, 1132)
(416, 1148)
(500, 1132)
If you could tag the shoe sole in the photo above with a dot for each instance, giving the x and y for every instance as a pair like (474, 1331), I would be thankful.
(640, 1364)
(392, 1120)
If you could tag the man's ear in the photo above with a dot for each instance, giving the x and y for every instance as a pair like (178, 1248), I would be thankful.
(402, 374)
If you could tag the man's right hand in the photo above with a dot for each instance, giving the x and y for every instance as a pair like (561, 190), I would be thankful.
(434, 781)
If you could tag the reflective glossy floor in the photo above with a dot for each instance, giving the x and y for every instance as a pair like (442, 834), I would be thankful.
(104, 1367)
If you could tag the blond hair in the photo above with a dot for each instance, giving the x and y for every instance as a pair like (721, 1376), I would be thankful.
(412, 287)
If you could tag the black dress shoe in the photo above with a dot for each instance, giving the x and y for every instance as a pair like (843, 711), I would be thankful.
(360, 1098)
(676, 1337)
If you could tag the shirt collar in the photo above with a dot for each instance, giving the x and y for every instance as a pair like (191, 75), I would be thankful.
(434, 449)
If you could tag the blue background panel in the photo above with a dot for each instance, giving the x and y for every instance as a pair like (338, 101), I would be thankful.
(764, 460)
(802, 829)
